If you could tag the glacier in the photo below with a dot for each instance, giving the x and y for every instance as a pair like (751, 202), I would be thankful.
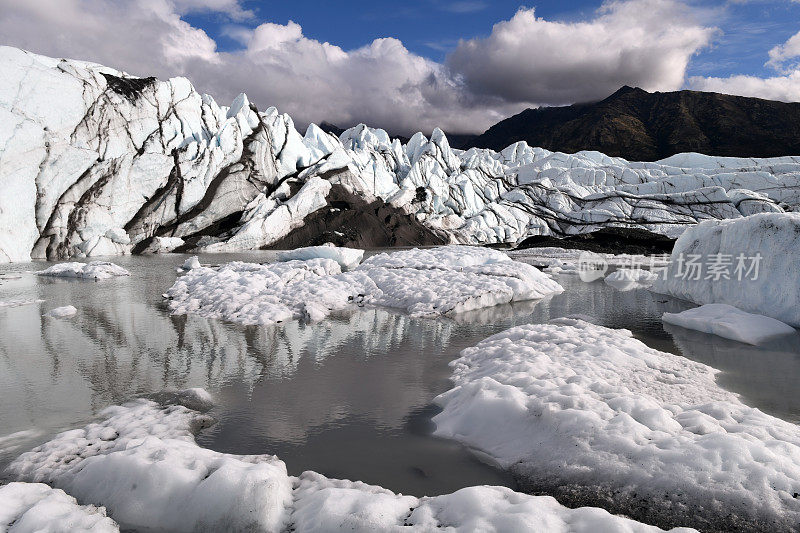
(97, 162)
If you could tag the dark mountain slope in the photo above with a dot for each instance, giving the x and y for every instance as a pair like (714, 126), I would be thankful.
(638, 125)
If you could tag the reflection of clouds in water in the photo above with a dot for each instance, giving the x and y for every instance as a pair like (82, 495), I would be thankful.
(766, 375)
(377, 366)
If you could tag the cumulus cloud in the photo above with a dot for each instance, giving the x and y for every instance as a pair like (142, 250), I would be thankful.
(785, 53)
(644, 43)
(785, 87)
(525, 61)
(782, 88)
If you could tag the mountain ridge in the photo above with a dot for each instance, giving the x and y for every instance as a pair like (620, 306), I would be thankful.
(642, 126)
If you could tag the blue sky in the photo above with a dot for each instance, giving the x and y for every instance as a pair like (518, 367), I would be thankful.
(457, 64)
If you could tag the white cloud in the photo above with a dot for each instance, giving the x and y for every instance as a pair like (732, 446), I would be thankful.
(645, 43)
(525, 61)
(784, 87)
(783, 53)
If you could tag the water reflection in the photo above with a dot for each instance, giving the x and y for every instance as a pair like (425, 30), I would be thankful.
(766, 375)
(349, 397)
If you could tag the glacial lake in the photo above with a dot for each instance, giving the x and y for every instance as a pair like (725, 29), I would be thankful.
(350, 397)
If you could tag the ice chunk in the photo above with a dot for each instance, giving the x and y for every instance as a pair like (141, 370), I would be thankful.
(729, 322)
(62, 312)
(440, 281)
(142, 464)
(571, 404)
(36, 508)
(95, 270)
(500, 509)
(191, 263)
(753, 261)
(348, 258)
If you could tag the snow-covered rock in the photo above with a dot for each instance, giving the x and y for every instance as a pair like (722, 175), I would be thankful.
(594, 413)
(94, 270)
(141, 462)
(348, 258)
(749, 263)
(429, 282)
(729, 322)
(36, 508)
(62, 312)
(98, 162)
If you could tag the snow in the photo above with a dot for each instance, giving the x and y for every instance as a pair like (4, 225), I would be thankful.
(571, 404)
(62, 312)
(141, 462)
(36, 508)
(96, 270)
(431, 282)
(348, 258)
(170, 161)
(729, 322)
(769, 241)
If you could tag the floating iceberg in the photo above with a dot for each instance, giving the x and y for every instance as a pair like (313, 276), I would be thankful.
(62, 312)
(729, 322)
(348, 258)
(430, 282)
(592, 414)
(749, 263)
(95, 270)
(141, 462)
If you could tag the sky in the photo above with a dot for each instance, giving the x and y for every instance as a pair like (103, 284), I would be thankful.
(405, 66)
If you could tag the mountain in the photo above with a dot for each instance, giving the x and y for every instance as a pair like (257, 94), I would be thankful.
(95, 162)
(642, 126)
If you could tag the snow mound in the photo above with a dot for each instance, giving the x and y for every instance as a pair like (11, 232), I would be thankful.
(729, 322)
(348, 258)
(323, 505)
(142, 464)
(36, 508)
(765, 246)
(62, 312)
(95, 270)
(590, 412)
(437, 282)
(630, 278)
